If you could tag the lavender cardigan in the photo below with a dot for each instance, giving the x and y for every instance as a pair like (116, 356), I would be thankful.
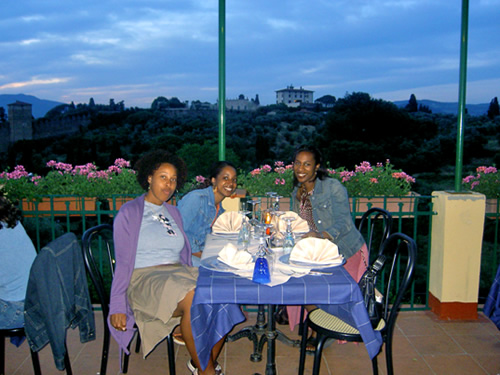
(126, 229)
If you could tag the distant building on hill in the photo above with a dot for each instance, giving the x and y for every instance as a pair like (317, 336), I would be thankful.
(21, 121)
(293, 97)
(242, 104)
(22, 126)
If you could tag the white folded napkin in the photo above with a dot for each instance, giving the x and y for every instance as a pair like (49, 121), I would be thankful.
(316, 251)
(299, 225)
(228, 222)
(235, 258)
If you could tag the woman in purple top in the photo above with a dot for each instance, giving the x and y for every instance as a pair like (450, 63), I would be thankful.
(154, 282)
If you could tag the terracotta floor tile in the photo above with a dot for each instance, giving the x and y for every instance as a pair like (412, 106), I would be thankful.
(433, 345)
(454, 365)
(422, 345)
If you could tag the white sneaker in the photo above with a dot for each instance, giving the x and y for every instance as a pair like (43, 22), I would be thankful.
(194, 370)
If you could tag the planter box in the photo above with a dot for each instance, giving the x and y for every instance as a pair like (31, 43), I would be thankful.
(116, 203)
(398, 206)
(59, 206)
(492, 209)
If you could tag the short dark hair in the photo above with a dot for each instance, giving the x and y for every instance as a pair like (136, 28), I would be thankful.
(150, 162)
(9, 213)
(318, 158)
(217, 168)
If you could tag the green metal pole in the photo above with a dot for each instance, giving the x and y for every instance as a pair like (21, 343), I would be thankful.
(222, 79)
(461, 96)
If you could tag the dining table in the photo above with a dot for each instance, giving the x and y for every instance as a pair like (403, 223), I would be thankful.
(216, 307)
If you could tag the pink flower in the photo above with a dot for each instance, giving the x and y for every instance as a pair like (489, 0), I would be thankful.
(122, 163)
(200, 179)
(255, 172)
(364, 167)
(267, 168)
(277, 181)
(114, 169)
(279, 164)
(280, 170)
(373, 180)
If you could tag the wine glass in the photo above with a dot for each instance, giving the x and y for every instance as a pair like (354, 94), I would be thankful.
(254, 221)
(263, 262)
(276, 204)
(270, 195)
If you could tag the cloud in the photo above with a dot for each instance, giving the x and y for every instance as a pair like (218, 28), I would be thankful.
(281, 24)
(33, 82)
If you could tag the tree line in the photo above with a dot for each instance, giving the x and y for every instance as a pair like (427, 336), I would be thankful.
(352, 129)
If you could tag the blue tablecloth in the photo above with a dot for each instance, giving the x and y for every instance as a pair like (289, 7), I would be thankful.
(216, 310)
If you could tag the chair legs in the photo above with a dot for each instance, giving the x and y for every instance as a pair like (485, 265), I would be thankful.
(171, 354)
(36, 363)
(34, 358)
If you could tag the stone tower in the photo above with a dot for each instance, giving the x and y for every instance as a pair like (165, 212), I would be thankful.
(21, 121)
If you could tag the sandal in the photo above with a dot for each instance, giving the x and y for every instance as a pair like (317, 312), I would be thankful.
(311, 345)
(177, 337)
(194, 370)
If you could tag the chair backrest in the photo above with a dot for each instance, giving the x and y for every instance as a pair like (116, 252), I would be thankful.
(370, 222)
(98, 254)
(401, 253)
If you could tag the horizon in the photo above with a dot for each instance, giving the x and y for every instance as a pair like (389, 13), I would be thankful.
(249, 98)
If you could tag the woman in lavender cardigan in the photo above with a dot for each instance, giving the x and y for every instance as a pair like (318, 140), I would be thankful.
(154, 282)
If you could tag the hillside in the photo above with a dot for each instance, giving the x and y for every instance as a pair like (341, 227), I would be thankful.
(448, 108)
(40, 106)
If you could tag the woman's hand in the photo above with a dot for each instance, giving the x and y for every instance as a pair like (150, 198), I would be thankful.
(119, 321)
(197, 254)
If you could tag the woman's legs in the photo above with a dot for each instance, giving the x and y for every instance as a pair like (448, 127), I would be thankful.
(184, 311)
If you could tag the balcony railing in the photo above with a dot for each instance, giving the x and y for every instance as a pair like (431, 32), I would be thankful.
(45, 222)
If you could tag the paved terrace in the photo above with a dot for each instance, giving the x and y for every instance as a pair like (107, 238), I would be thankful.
(422, 345)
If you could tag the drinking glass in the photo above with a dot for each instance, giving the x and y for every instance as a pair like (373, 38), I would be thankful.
(289, 241)
(276, 236)
(244, 233)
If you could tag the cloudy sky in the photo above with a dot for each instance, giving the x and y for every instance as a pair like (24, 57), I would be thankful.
(137, 50)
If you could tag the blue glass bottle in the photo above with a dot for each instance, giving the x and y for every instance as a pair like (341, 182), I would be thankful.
(261, 271)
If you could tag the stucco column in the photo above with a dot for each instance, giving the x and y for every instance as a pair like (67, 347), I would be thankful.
(457, 234)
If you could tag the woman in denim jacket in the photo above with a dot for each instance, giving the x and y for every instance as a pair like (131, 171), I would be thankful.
(324, 204)
(200, 208)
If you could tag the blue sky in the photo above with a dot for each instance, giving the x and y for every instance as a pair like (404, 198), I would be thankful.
(138, 50)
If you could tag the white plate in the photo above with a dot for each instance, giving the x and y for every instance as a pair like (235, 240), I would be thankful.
(286, 260)
(226, 234)
(214, 264)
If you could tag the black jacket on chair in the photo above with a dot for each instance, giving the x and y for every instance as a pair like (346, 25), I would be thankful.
(57, 297)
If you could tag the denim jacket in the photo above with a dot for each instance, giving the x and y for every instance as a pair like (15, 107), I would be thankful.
(331, 213)
(198, 212)
(57, 297)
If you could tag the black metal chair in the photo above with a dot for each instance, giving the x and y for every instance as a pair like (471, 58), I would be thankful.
(97, 244)
(401, 253)
(4, 333)
(375, 222)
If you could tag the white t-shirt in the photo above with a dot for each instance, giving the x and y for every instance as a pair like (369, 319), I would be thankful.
(160, 239)
(16, 257)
